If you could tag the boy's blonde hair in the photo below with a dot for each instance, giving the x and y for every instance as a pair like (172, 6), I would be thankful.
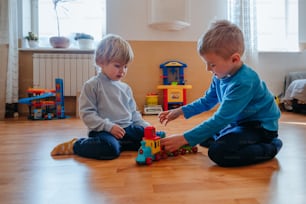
(222, 38)
(113, 48)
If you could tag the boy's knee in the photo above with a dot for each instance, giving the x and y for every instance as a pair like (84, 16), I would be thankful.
(215, 154)
(102, 150)
(221, 157)
(108, 157)
(112, 153)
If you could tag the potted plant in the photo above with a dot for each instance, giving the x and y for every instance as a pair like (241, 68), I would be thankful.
(85, 41)
(32, 39)
(59, 41)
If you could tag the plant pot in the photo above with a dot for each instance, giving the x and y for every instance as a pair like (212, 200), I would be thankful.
(85, 44)
(33, 43)
(59, 42)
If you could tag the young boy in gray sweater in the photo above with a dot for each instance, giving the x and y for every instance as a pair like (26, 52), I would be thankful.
(107, 107)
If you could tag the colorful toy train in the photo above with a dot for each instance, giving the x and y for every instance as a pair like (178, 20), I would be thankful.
(151, 150)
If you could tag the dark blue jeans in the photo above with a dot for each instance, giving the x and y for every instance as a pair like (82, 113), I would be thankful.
(103, 145)
(242, 144)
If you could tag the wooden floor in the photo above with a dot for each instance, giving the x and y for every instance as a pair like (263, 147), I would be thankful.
(29, 175)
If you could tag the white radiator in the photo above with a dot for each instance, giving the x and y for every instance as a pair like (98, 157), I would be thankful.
(74, 69)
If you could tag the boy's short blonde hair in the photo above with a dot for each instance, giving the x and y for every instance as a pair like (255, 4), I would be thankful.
(113, 48)
(222, 38)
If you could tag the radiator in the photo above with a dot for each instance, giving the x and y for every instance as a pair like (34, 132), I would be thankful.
(74, 69)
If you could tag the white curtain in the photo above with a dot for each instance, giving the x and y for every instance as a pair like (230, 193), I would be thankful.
(243, 14)
(9, 36)
(12, 69)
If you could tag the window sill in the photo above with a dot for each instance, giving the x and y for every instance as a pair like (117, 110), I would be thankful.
(280, 52)
(70, 50)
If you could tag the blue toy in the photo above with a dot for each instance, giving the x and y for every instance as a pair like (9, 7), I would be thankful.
(28, 101)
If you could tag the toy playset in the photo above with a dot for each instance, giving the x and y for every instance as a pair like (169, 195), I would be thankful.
(151, 149)
(174, 87)
(45, 104)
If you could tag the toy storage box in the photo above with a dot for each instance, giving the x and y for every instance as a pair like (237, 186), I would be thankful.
(152, 106)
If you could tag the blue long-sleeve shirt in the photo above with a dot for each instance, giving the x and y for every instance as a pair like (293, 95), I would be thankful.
(241, 97)
(104, 102)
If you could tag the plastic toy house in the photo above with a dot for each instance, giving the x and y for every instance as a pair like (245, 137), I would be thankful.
(173, 73)
(174, 87)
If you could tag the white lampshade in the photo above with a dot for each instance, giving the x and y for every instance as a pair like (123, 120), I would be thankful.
(168, 15)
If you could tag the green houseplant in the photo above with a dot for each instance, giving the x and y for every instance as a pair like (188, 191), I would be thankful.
(31, 36)
(79, 36)
(59, 41)
(84, 40)
(32, 39)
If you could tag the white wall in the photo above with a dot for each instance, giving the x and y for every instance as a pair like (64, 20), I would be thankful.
(129, 18)
(273, 67)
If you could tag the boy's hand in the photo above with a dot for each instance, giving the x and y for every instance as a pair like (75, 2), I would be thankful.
(117, 131)
(173, 142)
(167, 116)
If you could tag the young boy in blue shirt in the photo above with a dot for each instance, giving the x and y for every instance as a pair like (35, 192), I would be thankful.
(244, 129)
(107, 107)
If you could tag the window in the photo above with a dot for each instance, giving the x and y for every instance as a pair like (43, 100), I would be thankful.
(277, 25)
(76, 16)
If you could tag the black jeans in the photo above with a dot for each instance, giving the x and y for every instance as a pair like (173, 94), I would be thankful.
(243, 144)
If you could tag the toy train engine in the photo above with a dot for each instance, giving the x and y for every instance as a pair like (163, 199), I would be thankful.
(150, 149)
